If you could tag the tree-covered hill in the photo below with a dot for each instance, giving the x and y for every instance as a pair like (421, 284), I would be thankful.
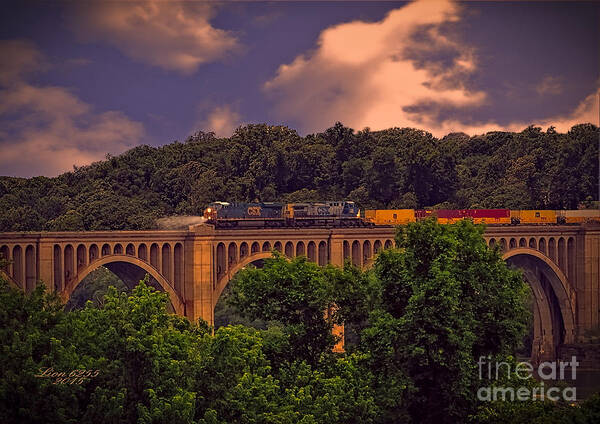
(399, 168)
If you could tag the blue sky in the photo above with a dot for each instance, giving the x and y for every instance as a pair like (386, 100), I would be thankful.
(82, 79)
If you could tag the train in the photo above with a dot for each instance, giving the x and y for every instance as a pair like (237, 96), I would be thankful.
(344, 213)
(336, 213)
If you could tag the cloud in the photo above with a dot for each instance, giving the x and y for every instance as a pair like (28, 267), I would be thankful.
(549, 85)
(19, 58)
(171, 35)
(46, 130)
(375, 74)
(402, 71)
(222, 120)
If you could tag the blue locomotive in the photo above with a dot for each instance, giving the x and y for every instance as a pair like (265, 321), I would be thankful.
(336, 213)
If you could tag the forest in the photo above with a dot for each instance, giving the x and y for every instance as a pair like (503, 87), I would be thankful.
(393, 168)
(422, 316)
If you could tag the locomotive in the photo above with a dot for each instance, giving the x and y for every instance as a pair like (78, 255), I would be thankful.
(336, 213)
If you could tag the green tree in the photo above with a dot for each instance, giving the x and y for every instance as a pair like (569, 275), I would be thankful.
(446, 300)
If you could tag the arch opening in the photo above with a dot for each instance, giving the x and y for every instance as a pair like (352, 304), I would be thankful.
(367, 253)
(223, 313)
(323, 254)
(552, 307)
(93, 252)
(130, 270)
(143, 252)
(300, 249)
(312, 251)
(30, 268)
(356, 259)
(289, 249)
(58, 273)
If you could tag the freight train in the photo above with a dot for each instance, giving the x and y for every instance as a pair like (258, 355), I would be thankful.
(483, 216)
(342, 213)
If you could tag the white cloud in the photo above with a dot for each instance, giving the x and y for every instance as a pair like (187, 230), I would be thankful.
(222, 120)
(47, 130)
(397, 72)
(360, 73)
(171, 35)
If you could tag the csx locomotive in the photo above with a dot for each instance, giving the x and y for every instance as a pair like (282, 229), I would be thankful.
(342, 213)
(337, 213)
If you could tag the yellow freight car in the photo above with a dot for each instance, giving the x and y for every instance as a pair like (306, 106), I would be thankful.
(579, 216)
(390, 216)
(533, 216)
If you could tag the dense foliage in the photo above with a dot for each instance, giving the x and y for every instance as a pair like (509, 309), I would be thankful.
(397, 168)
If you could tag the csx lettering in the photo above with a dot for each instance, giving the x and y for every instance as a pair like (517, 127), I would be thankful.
(254, 211)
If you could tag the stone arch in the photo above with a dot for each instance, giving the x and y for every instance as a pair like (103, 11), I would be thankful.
(356, 256)
(388, 244)
(300, 249)
(129, 269)
(93, 253)
(323, 254)
(5, 254)
(224, 279)
(221, 260)
(118, 249)
(532, 243)
(232, 257)
(243, 250)
(57, 264)
(377, 246)
(166, 268)
(522, 242)
(562, 254)
(311, 251)
(143, 252)
(130, 249)
(366, 250)
(81, 257)
(255, 248)
(30, 268)
(154, 255)
(492, 243)
(552, 249)
(346, 250)
(178, 270)
(277, 246)
(503, 244)
(512, 244)
(105, 249)
(537, 266)
(542, 245)
(289, 249)
(266, 247)
(68, 268)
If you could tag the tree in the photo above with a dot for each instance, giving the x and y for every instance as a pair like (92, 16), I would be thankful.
(294, 293)
(446, 299)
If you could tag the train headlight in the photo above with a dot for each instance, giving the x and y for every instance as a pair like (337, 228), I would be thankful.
(209, 210)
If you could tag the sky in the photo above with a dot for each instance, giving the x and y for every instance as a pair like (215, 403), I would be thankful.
(79, 80)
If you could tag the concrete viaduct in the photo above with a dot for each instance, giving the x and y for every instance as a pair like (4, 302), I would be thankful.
(561, 263)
